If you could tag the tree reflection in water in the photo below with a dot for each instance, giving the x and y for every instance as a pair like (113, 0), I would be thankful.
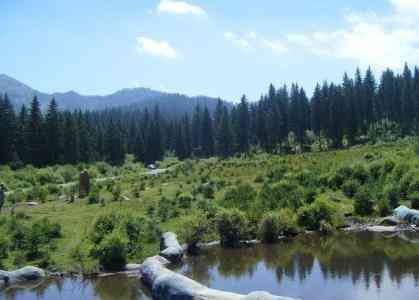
(364, 257)
(344, 266)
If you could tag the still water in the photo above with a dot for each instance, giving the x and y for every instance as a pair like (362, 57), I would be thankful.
(344, 266)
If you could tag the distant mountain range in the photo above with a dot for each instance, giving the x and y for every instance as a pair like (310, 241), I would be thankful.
(140, 98)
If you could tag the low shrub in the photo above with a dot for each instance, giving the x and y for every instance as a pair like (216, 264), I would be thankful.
(392, 194)
(360, 173)
(4, 248)
(241, 197)
(94, 196)
(363, 205)
(275, 224)
(193, 229)
(350, 187)
(414, 200)
(137, 230)
(270, 227)
(312, 215)
(384, 208)
(112, 251)
(185, 201)
(232, 227)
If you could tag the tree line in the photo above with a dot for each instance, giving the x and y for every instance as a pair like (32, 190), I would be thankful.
(284, 120)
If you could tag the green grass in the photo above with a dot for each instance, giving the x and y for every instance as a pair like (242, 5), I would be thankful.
(76, 218)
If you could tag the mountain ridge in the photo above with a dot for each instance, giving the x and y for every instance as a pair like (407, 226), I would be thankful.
(20, 93)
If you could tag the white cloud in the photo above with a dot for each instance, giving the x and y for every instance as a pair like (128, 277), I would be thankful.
(406, 7)
(180, 8)
(152, 47)
(369, 39)
(237, 41)
(252, 41)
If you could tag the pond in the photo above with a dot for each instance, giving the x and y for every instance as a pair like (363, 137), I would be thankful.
(344, 266)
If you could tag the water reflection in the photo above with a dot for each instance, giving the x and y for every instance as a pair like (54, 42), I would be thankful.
(348, 266)
(106, 288)
(345, 266)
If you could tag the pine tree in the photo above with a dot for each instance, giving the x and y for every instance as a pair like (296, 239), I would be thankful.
(86, 143)
(369, 92)
(349, 105)
(21, 136)
(139, 147)
(207, 134)
(7, 131)
(36, 139)
(316, 111)
(114, 144)
(187, 135)
(408, 104)
(52, 133)
(197, 129)
(71, 151)
(243, 125)
(225, 136)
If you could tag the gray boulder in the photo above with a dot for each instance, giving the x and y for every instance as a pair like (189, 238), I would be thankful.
(21, 276)
(406, 214)
(170, 247)
(389, 221)
(168, 285)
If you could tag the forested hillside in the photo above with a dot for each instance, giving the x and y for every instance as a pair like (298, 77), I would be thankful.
(170, 104)
(357, 110)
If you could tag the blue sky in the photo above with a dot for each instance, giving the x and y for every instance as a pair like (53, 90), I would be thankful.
(201, 47)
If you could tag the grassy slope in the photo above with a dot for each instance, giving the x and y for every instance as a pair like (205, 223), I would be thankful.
(76, 218)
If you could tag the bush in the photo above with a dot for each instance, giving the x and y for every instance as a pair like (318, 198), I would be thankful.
(414, 200)
(137, 229)
(388, 166)
(103, 226)
(406, 181)
(116, 193)
(4, 248)
(399, 170)
(363, 205)
(384, 208)
(350, 187)
(185, 201)
(207, 190)
(275, 224)
(310, 195)
(94, 196)
(241, 197)
(335, 180)
(39, 193)
(270, 228)
(37, 238)
(112, 251)
(392, 194)
(193, 229)
(277, 173)
(414, 185)
(311, 216)
(232, 227)
(360, 173)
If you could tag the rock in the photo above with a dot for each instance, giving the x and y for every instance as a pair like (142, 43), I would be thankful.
(132, 267)
(382, 229)
(170, 247)
(84, 184)
(32, 203)
(389, 221)
(168, 285)
(406, 214)
(21, 276)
